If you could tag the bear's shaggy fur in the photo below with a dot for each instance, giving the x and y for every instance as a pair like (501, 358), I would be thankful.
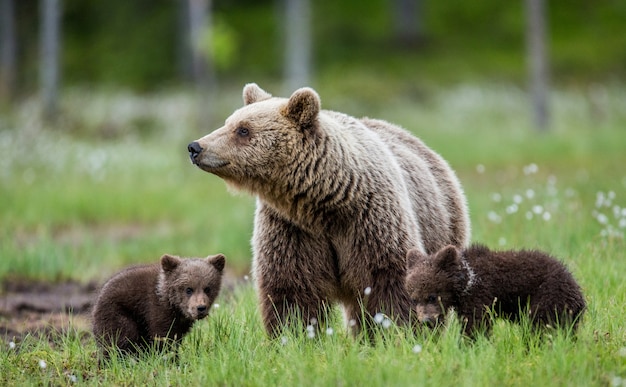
(158, 302)
(477, 282)
(340, 201)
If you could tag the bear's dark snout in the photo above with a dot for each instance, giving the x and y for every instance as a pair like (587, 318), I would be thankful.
(194, 150)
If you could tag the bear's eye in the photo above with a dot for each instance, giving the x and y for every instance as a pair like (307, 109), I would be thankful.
(431, 299)
(242, 131)
(207, 290)
(189, 291)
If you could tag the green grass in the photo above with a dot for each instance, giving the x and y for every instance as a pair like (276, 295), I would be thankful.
(100, 192)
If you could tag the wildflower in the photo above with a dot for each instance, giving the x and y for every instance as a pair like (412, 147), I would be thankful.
(530, 169)
(546, 216)
(12, 345)
(386, 323)
(367, 291)
(529, 215)
(530, 193)
(310, 329)
(329, 331)
(245, 278)
(42, 364)
(378, 318)
(352, 322)
(502, 241)
(517, 199)
(494, 217)
(622, 223)
(313, 321)
(480, 168)
(622, 352)
(602, 219)
(216, 306)
(283, 340)
(496, 197)
(73, 378)
(511, 209)
(417, 348)
(537, 209)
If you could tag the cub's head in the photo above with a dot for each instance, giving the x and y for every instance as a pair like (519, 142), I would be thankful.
(191, 285)
(261, 140)
(435, 283)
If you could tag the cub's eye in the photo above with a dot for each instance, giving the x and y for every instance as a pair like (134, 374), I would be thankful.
(189, 291)
(243, 131)
(207, 290)
(431, 299)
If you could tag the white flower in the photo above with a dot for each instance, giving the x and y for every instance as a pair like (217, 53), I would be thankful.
(245, 278)
(496, 197)
(622, 223)
(386, 323)
(518, 199)
(417, 348)
(546, 216)
(378, 318)
(42, 364)
(622, 352)
(511, 209)
(502, 241)
(12, 344)
(480, 168)
(216, 306)
(494, 217)
(283, 340)
(313, 321)
(73, 378)
(352, 322)
(367, 291)
(329, 331)
(602, 219)
(530, 193)
(537, 209)
(310, 334)
(529, 215)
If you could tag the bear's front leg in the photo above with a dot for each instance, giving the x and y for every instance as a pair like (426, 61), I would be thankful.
(295, 273)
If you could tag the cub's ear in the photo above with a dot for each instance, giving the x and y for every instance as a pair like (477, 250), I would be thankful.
(414, 256)
(169, 262)
(253, 93)
(303, 107)
(448, 258)
(218, 261)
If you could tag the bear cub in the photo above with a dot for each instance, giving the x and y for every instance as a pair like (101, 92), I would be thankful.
(476, 281)
(157, 303)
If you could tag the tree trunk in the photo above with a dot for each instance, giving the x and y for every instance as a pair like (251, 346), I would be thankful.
(50, 49)
(538, 62)
(7, 51)
(297, 44)
(407, 22)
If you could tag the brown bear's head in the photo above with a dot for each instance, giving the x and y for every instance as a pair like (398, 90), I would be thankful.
(435, 283)
(262, 140)
(191, 285)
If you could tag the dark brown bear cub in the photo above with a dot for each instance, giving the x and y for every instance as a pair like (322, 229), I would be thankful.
(158, 302)
(476, 281)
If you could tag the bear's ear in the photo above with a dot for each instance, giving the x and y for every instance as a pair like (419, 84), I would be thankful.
(414, 256)
(253, 93)
(218, 261)
(448, 258)
(303, 107)
(169, 262)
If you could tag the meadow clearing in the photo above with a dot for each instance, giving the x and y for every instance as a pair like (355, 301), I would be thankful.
(111, 185)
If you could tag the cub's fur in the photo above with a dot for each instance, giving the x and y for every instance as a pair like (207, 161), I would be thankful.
(158, 302)
(477, 281)
(340, 202)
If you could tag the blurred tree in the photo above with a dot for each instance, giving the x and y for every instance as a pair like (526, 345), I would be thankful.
(538, 62)
(408, 25)
(200, 23)
(298, 43)
(50, 42)
(7, 51)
